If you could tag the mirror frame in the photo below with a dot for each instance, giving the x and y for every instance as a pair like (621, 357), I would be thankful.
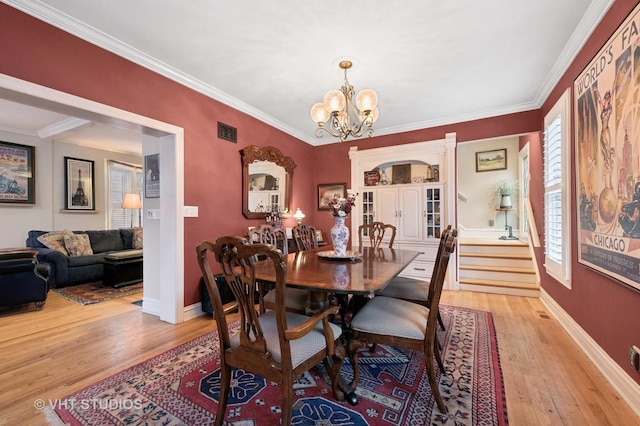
(268, 153)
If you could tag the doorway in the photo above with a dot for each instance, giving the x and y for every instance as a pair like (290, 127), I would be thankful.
(164, 282)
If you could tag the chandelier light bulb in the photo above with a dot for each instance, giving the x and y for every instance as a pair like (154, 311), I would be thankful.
(319, 114)
(367, 100)
(334, 101)
(374, 115)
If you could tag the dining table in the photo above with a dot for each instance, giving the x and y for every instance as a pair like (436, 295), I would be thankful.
(359, 273)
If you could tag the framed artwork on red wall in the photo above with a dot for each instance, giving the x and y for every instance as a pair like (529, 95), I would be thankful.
(607, 138)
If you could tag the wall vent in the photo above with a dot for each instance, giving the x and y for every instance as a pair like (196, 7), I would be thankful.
(227, 132)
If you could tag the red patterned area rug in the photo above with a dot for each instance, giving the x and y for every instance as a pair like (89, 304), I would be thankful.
(181, 386)
(87, 294)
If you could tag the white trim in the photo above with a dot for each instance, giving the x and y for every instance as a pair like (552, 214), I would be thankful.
(628, 389)
(193, 311)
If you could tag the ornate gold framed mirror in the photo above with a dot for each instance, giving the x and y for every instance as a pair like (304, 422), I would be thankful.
(266, 181)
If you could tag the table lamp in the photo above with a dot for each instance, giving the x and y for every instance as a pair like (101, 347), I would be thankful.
(298, 216)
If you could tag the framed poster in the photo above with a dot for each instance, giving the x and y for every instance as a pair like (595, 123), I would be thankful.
(17, 174)
(607, 137)
(327, 191)
(79, 184)
(152, 176)
(491, 160)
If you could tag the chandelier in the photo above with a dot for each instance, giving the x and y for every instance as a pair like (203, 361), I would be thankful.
(341, 116)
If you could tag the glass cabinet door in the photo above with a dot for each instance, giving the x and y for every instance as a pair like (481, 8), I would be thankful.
(432, 215)
(368, 210)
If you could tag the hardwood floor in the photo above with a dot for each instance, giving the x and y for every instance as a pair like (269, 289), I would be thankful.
(48, 354)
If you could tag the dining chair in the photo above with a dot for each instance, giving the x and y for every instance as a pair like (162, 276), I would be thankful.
(276, 345)
(304, 237)
(376, 232)
(412, 289)
(400, 323)
(295, 299)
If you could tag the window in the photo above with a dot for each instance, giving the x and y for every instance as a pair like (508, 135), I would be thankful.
(557, 155)
(123, 179)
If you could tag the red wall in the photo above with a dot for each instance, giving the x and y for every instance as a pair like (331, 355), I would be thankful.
(607, 310)
(37, 52)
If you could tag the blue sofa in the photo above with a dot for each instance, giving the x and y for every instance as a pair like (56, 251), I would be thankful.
(66, 270)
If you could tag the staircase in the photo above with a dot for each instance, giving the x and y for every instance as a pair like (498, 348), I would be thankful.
(497, 266)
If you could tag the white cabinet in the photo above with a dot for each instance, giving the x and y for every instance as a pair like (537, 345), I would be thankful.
(418, 209)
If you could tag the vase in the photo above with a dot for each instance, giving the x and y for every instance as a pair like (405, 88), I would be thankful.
(340, 237)
(505, 202)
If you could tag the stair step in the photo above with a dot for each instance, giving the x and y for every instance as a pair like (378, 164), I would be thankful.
(496, 255)
(511, 269)
(498, 283)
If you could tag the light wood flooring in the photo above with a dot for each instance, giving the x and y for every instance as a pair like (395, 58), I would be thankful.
(65, 347)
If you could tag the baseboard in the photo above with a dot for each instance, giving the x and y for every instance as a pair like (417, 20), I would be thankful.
(193, 311)
(628, 389)
(151, 306)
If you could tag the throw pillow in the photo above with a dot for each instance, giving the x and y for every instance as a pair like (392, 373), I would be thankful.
(55, 240)
(137, 238)
(78, 244)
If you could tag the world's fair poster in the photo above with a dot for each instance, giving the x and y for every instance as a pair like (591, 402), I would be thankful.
(607, 137)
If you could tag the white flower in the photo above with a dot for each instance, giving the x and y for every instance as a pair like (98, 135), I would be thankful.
(341, 213)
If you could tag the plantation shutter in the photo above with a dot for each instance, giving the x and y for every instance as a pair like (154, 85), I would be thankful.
(553, 189)
(123, 178)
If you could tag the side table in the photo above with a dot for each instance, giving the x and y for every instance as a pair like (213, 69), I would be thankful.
(507, 227)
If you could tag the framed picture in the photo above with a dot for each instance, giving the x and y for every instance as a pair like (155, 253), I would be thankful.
(152, 176)
(327, 191)
(491, 160)
(401, 173)
(607, 147)
(17, 174)
(80, 184)
(319, 236)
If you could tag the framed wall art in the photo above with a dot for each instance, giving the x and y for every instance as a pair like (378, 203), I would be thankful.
(152, 176)
(327, 191)
(491, 160)
(607, 140)
(17, 174)
(79, 184)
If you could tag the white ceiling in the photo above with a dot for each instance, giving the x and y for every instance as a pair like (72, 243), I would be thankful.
(431, 62)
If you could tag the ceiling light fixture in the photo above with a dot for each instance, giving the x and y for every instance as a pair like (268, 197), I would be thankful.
(342, 116)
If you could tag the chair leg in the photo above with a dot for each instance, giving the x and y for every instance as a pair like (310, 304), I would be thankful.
(225, 384)
(333, 365)
(440, 321)
(436, 351)
(433, 384)
(287, 401)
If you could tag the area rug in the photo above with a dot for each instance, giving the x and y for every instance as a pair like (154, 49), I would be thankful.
(181, 386)
(87, 294)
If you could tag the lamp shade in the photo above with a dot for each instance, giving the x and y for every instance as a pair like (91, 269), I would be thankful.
(131, 201)
(298, 215)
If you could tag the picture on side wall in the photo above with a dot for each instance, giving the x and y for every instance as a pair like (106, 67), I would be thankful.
(328, 191)
(152, 176)
(607, 137)
(79, 184)
(491, 160)
(17, 174)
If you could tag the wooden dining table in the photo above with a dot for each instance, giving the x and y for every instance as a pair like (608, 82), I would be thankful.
(360, 273)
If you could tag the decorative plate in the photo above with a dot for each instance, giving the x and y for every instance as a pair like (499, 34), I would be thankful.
(331, 255)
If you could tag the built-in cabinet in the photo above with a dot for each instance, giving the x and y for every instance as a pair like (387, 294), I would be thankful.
(419, 209)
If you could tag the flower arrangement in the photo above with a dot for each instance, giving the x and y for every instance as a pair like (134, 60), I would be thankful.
(502, 188)
(341, 206)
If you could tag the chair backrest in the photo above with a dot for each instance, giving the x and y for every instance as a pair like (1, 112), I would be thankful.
(376, 232)
(305, 237)
(236, 257)
(269, 234)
